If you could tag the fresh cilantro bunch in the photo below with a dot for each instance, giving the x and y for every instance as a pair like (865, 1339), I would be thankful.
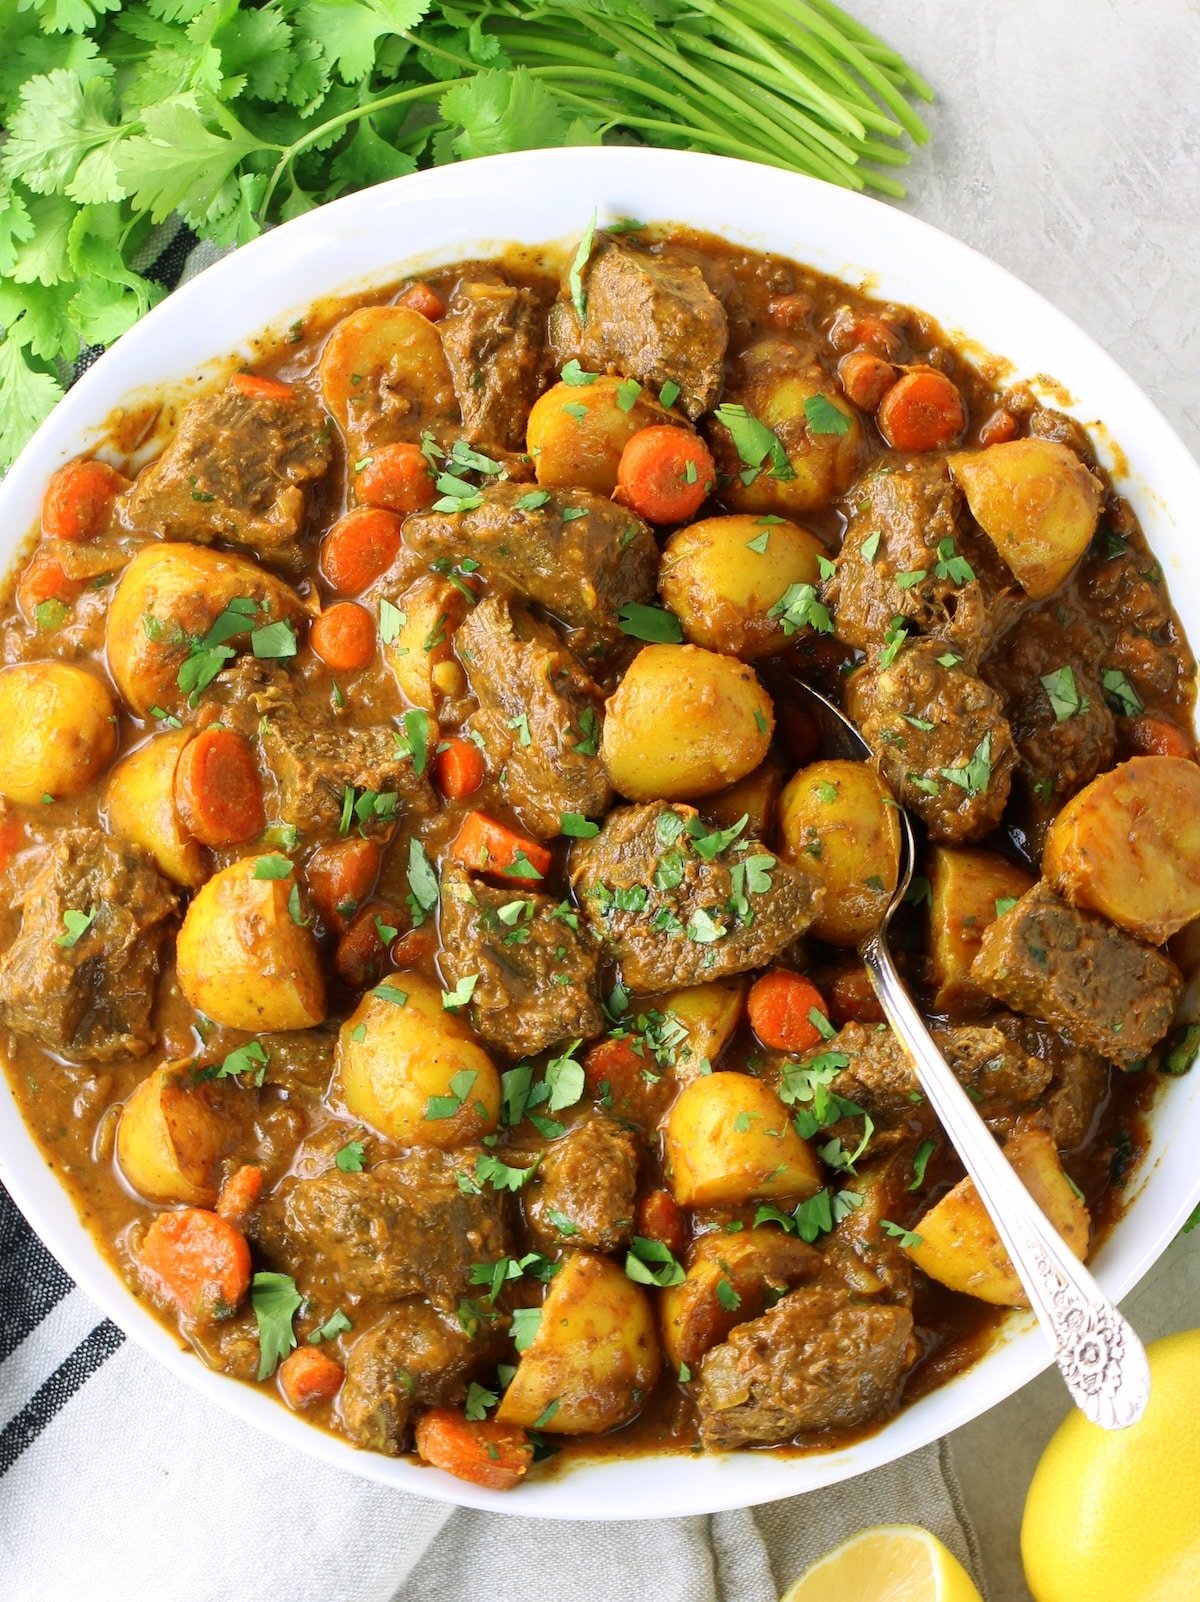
(233, 116)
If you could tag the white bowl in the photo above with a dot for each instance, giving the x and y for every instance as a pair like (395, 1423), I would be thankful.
(475, 209)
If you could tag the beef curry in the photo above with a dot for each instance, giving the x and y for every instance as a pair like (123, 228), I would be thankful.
(427, 941)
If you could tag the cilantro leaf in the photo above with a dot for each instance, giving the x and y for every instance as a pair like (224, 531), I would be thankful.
(754, 442)
(652, 623)
(825, 416)
(275, 1301)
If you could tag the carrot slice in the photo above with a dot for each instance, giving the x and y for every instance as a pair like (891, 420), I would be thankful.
(1150, 736)
(341, 875)
(344, 637)
(239, 1194)
(79, 499)
(779, 1007)
(45, 580)
(790, 311)
(490, 847)
(362, 950)
(866, 378)
(360, 548)
(459, 769)
(396, 477)
(422, 297)
(664, 474)
(659, 1217)
(12, 832)
(922, 412)
(850, 330)
(998, 429)
(496, 1456)
(197, 1260)
(852, 998)
(309, 1375)
(217, 788)
(257, 386)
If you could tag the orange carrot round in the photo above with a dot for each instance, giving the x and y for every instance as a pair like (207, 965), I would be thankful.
(308, 1375)
(257, 386)
(360, 548)
(496, 1456)
(664, 474)
(790, 311)
(45, 580)
(490, 847)
(395, 477)
(852, 998)
(866, 378)
(239, 1194)
(1150, 736)
(362, 950)
(341, 875)
(923, 411)
(12, 833)
(79, 498)
(422, 297)
(659, 1217)
(852, 330)
(344, 637)
(997, 429)
(779, 1006)
(458, 769)
(218, 791)
(197, 1260)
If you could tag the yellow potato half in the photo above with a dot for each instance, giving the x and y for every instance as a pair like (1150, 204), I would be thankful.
(729, 1139)
(170, 1138)
(964, 889)
(577, 432)
(839, 824)
(59, 728)
(595, 1357)
(384, 377)
(243, 961)
(140, 802)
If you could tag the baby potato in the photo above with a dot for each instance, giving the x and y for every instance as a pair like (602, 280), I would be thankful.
(140, 801)
(838, 823)
(722, 587)
(729, 1140)
(577, 432)
(421, 656)
(243, 961)
(170, 1138)
(710, 1013)
(754, 798)
(60, 730)
(402, 1075)
(384, 377)
(694, 1318)
(1036, 502)
(959, 1246)
(1128, 846)
(684, 722)
(170, 595)
(964, 889)
(820, 432)
(595, 1357)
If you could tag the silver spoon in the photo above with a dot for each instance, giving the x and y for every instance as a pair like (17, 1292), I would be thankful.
(1101, 1358)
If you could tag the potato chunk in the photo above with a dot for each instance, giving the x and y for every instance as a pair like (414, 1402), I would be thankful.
(966, 888)
(710, 1013)
(683, 723)
(384, 377)
(729, 1140)
(243, 961)
(414, 1070)
(723, 576)
(60, 730)
(838, 824)
(1128, 846)
(577, 432)
(694, 1315)
(421, 656)
(594, 1358)
(140, 801)
(1036, 502)
(959, 1245)
(170, 1138)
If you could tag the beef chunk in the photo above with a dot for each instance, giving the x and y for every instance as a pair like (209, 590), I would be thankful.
(401, 1228)
(816, 1361)
(535, 701)
(1126, 593)
(648, 318)
(906, 520)
(580, 556)
(536, 977)
(238, 469)
(92, 1000)
(940, 739)
(879, 1075)
(493, 338)
(413, 1358)
(670, 917)
(1078, 1084)
(583, 1194)
(1075, 970)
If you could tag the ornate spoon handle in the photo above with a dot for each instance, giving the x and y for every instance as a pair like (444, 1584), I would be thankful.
(1101, 1358)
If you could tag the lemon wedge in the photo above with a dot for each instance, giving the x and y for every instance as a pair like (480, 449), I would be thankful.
(890, 1563)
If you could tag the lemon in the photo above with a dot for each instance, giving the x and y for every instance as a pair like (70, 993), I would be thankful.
(891, 1563)
(1113, 1516)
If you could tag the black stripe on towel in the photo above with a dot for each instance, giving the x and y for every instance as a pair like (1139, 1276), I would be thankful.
(24, 1428)
(31, 1282)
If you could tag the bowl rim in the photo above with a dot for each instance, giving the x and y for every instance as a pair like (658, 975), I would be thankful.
(437, 206)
